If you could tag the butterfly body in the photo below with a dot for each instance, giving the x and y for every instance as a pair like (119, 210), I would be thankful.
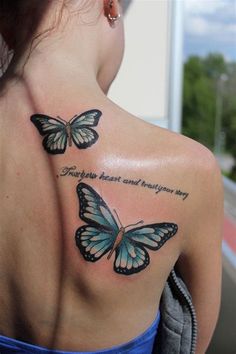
(68, 132)
(57, 132)
(117, 242)
(102, 235)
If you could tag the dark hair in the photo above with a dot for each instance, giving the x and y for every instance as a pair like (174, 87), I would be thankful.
(21, 18)
(19, 21)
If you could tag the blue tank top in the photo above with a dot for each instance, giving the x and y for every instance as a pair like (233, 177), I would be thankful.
(142, 344)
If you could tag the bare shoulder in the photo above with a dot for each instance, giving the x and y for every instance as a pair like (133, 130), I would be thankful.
(184, 160)
(191, 166)
(200, 165)
(195, 159)
(190, 155)
(194, 152)
(196, 166)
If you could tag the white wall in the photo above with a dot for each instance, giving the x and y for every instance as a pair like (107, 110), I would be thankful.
(143, 84)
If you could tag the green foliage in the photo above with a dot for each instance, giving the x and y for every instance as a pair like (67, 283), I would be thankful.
(214, 65)
(202, 83)
(199, 110)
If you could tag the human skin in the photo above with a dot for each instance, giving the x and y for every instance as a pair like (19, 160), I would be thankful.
(50, 295)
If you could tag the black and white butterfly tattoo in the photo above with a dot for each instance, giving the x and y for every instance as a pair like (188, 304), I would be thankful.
(57, 132)
(102, 235)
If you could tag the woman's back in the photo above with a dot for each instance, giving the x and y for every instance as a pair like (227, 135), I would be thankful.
(59, 287)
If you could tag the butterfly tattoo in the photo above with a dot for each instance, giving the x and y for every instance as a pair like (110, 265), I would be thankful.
(57, 132)
(102, 235)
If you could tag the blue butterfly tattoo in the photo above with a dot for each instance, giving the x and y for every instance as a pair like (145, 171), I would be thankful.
(102, 235)
(57, 132)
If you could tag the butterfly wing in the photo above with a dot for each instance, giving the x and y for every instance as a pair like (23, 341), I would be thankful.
(93, 209)
(54, 132)
(97, 238)
(93, 242)
(152, 236)
(130, 258)
(82, 134)
(131, 255)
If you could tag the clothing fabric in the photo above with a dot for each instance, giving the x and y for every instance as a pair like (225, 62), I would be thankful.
(177, 330)
(142, 344)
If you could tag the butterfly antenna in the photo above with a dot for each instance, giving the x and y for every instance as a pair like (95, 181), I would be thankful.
(137, 223)
(76, 115)
(62, 120)
(117, 217)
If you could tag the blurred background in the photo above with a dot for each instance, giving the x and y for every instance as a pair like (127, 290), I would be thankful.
(179, 72)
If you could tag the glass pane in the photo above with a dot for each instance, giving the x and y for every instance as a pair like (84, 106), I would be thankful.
(209, 107)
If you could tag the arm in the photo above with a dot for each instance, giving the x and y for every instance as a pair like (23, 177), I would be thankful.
(200, 261)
